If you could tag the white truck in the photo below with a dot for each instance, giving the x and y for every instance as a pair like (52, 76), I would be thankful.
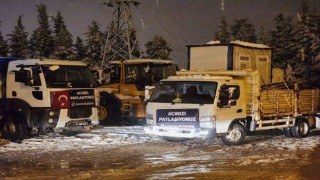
(45, 94)
(228, 104)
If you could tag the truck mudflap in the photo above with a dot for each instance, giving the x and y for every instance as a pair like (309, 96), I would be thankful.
(179, 132)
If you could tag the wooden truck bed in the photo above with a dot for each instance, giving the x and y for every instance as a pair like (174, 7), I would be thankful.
(288, 102)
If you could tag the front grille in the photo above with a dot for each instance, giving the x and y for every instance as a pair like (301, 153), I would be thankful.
(75, 113)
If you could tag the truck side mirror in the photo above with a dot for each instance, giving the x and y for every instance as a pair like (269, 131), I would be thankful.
(147, 92)
(223, 99)
(236, 94)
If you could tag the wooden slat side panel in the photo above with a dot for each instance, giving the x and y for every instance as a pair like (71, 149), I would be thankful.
(277, 103)
(283, 102)
(308, 101)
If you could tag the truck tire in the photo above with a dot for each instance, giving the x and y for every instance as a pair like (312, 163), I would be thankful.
(109, 109)
(301, 129)
(287, 132)
(235, 136)
(14, 127)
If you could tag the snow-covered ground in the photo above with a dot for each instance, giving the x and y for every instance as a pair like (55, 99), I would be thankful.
(109, 137)
(126, 151)
(100, 137)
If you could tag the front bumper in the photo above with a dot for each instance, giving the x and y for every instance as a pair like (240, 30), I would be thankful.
(65, 121)
(169, 131)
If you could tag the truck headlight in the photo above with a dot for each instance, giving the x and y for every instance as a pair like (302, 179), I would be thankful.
(208, 122)
(149, 119)
(50, 121)
(51, 113)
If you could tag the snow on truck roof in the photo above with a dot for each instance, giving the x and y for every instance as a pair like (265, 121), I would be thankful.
(247, 72)
(212, 74)
(50, 62)
(197, 77)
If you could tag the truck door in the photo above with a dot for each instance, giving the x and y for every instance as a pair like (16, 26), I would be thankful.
(230, 106)
(25, 84)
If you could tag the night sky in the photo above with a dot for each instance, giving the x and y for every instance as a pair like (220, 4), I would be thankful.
(180, 22)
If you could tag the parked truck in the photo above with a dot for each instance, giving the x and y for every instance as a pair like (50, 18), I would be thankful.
(229, 105)
(40, 95)
(122, 97)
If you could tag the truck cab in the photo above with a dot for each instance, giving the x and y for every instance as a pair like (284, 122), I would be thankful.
(46, 94)
(195, 106)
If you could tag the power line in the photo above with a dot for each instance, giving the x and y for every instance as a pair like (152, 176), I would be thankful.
(121, 41)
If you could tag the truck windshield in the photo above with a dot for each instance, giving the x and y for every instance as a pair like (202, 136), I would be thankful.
(147, 74)
(184, 92)
(61, 76)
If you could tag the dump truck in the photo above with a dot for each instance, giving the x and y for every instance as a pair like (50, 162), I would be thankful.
(41, 95)
(122, 97)
(229, 105)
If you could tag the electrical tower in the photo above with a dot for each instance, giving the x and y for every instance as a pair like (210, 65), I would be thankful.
(121, 41)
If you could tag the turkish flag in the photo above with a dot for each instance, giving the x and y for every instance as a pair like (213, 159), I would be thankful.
(60, 99)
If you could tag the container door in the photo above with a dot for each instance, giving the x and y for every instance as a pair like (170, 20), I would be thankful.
(243, 62)
(264, 68)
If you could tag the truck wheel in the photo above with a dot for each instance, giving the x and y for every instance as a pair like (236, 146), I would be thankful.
(301, 129)
(102, 113)
(109, 109)
(235, 136)
(287, 132)
(14, 127)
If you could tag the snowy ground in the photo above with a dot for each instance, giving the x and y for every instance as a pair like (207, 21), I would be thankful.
(122, 152)
(110, 137)
(101, 137)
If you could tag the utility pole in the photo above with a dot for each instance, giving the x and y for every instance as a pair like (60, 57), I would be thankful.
(121, 41)
(222, 5)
